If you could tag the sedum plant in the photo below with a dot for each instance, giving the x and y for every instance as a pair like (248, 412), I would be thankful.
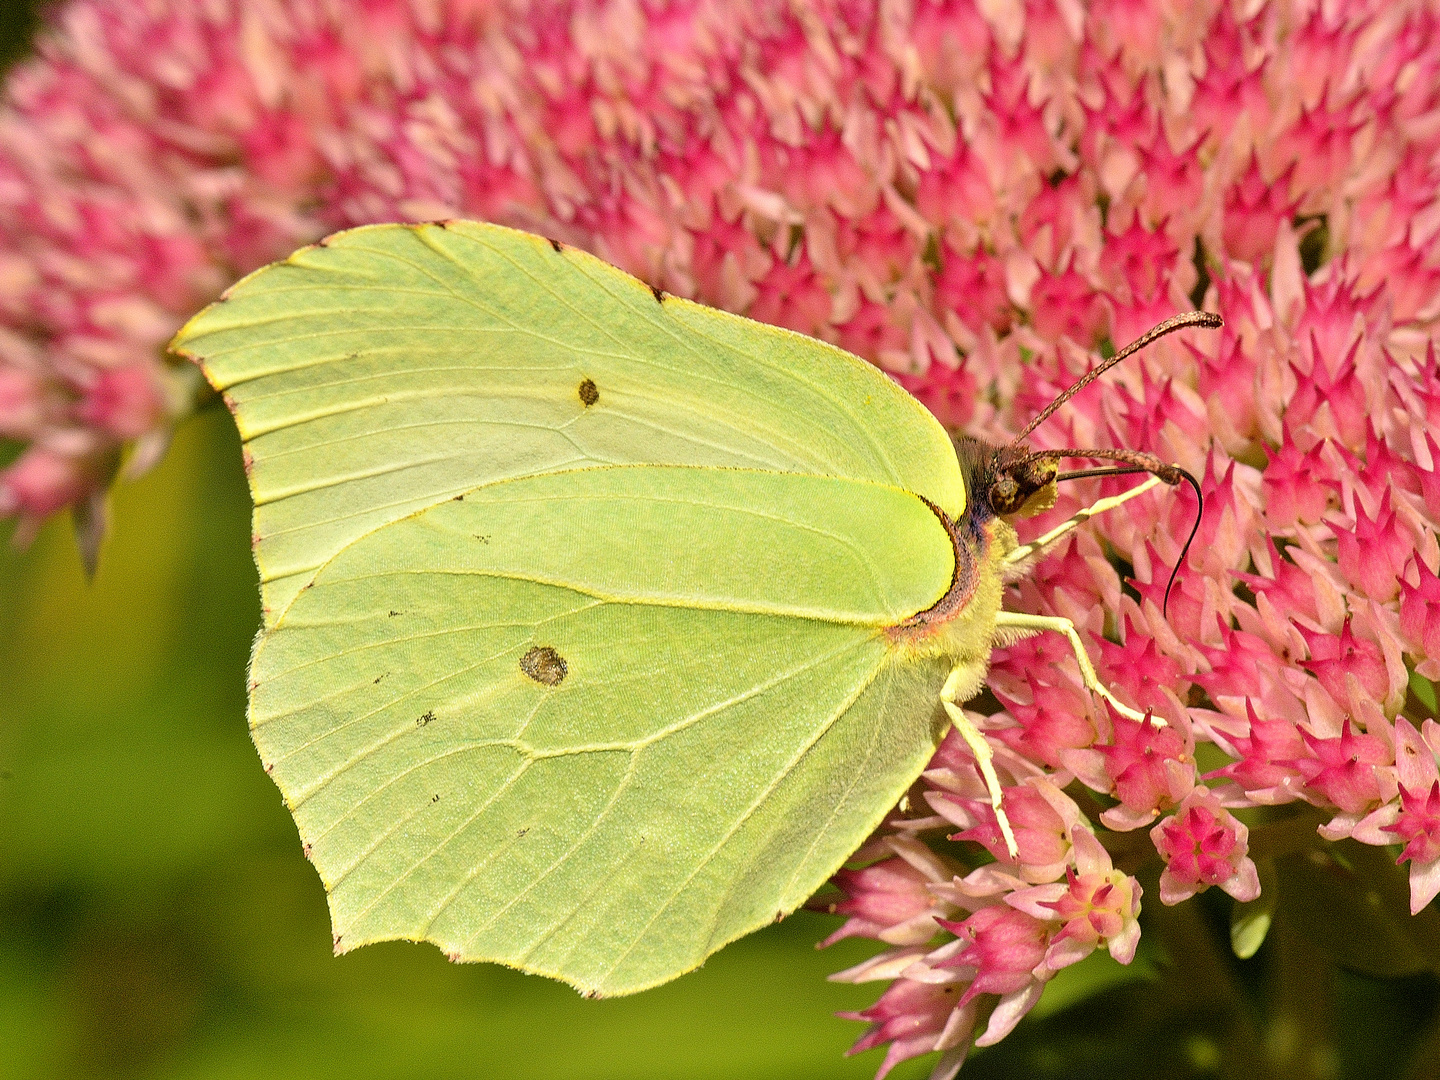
(974, 196)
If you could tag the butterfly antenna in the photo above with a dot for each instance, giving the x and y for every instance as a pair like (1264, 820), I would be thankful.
(1169, 326)
(1199, 513)
(1136, 461)
(1129, 461)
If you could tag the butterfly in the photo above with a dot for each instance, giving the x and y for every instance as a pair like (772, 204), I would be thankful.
(600, 626)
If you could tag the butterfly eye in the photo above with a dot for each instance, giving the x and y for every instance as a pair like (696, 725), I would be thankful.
(1015, 489)
(1004, 495)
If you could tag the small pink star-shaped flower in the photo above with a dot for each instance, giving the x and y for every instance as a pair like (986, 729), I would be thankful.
(1203, 844)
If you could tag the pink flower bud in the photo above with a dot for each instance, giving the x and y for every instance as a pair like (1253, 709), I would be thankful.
(789, 296)
(1271, 756)
(1173, 179)
(1097, 908)
(1138, 262)
(1254, 207)
(1295, 485)
(1228, 381)
(973, 287)
(22, 403)
(1057, 719)
(1231, 87)
(41, 481)
(871, 333)
(909, 1015)
(891, 900)
(1003, 947)
(1096, 905)
(1373, 554)
(1342, 770)
(1138, 669)
(1067, 304)
(1150, 768)
(1412, 281)
(1041, 817)
(1240, 666)
(1420, 611)
(956, 189)
(1419, 824)
(1430, 478)
(1203, 845)
(1319, 143)
(1340, 396)
(949, 393)
(1334, 659)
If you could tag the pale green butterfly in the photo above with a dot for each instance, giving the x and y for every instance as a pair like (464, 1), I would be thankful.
(600, 627)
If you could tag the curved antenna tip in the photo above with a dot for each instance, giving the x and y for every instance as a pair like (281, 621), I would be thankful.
(1199, 513)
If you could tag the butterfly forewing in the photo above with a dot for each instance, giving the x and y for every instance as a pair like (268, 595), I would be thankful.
(393, 367)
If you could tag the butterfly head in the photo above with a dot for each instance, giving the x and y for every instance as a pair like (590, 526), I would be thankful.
(1006, 481)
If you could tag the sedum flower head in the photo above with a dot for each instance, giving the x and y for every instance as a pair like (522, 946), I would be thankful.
(973, 196)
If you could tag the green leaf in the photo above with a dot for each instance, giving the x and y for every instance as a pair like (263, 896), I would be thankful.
(1424, 689)
(1250, 922)
(582, 646)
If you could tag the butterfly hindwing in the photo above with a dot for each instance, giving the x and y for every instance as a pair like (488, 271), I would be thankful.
(602, 760)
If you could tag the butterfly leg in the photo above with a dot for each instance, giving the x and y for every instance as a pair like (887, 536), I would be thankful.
(1024, 551)
(1014, 620)
(962, 684)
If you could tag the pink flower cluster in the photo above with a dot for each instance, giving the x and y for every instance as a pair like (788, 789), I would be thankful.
(974, 194)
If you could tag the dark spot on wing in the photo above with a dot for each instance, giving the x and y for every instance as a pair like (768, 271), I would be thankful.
(557, 245)
(658, 293)
(458, 498)
(435, 798)
(392, 613)
(544, 665)
(425, 718)
(589, 392)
